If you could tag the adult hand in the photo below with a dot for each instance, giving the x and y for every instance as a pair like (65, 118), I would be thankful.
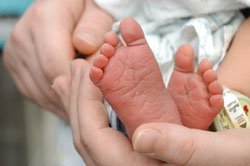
(179, 145)
(96, 142)
(44, 41)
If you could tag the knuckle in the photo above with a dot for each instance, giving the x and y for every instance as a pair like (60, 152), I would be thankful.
(35, 15)
(16, 35)
(38, 11)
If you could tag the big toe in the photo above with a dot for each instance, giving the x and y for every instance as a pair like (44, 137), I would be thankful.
(132, 32)
(184, 59)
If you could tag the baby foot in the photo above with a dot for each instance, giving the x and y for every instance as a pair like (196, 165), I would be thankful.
(130, 79)
(198, 95)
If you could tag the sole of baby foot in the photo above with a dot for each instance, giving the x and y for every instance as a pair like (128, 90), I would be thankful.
(131, 80)
(198, 94)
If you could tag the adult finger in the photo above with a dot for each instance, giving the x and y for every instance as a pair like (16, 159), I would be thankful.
(66, 87)
(183, 146)
(91, 28)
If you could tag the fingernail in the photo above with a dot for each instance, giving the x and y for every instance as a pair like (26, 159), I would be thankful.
(146, 140)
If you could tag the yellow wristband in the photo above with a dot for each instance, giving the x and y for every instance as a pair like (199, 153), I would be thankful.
(235, 112)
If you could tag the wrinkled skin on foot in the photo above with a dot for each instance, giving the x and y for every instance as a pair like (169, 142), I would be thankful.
(130, 80)
(198, 94)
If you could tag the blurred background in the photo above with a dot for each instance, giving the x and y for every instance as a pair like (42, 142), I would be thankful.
(13, 149)
(27, 134)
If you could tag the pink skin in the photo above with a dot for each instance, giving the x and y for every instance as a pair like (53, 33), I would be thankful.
(198, 95)
(130, 80)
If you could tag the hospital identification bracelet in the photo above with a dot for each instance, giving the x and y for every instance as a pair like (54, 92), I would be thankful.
(235, 112)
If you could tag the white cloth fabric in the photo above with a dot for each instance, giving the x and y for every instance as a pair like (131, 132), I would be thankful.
(169, 9)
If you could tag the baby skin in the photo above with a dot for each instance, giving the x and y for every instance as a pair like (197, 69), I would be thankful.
(130, 79)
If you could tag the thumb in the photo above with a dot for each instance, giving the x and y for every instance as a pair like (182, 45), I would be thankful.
(179, 145)
(91, 28)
